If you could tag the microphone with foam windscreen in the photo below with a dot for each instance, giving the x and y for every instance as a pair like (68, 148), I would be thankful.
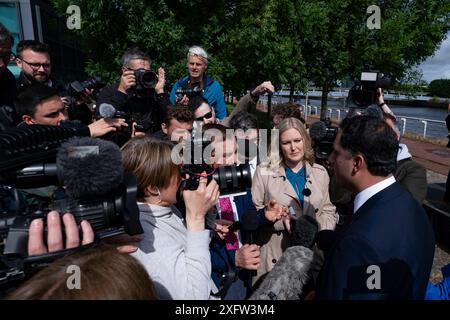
(107, 110)
(288, 277)
(89, 167)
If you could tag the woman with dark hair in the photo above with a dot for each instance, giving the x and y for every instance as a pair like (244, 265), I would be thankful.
(175, 248)
(290, 181)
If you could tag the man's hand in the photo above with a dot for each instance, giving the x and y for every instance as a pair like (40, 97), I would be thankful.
(184, 100)
(198, 202)
(159, 88)
(275, 212)
(263, 88)
(36, 244)
(135, 133)
(104, 126)
(247, 257)
(127, 80)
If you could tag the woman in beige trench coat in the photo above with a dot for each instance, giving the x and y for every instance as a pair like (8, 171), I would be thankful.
(306, 194)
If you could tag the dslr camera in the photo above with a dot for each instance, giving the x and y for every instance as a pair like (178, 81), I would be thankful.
(231, 179)
(145, 79)
(364, 91)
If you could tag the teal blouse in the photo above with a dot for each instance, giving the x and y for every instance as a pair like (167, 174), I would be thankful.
(297, 180)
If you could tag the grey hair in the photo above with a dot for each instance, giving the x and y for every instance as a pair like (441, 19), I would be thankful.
(134, 54)
(198, 51)
(5, 35)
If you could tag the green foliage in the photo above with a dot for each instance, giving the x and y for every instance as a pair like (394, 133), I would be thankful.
(440, 88)
(290, 42)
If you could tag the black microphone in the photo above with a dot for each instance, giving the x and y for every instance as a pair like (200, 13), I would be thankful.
(288, 276)
(318, 130)
(304, 231)
(89, 167)
(250, 225)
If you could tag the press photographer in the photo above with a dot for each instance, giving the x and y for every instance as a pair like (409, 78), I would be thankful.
(140, 92)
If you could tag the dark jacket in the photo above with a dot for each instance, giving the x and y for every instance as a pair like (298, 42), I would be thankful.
(413, 177)
(221, 260)
(391, 232)
(148, 111)
(8, 114)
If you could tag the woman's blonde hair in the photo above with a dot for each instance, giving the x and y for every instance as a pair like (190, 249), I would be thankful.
(276, 159)
(151, 162)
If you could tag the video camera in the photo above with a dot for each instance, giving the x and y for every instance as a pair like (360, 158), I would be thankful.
(364, 91)
(231, 179)
(195, 89)
(323, 135)
(96, 190)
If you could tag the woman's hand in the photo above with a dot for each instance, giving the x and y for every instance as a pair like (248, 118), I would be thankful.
(275, 212)
(198, 202)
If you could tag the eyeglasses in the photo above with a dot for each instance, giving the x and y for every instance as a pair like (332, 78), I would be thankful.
(205, 116)
(35, 66)
(8, 57)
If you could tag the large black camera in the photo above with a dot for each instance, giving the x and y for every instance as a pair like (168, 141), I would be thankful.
(145, 79)
(364, 91)
(195, 89)
(91, 171)
(231, 179)
(323, 135)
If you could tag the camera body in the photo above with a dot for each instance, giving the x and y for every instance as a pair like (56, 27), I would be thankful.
(145, 79)
(195, 89)
(364, 91)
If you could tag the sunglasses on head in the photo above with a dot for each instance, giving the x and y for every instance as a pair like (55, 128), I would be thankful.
(205, 116)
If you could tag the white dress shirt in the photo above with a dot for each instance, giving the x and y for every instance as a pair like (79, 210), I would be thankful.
(367, 193)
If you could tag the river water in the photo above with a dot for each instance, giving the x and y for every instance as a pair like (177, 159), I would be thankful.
(436, 130)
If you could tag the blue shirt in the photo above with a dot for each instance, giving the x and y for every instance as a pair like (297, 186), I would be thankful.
(297, 180)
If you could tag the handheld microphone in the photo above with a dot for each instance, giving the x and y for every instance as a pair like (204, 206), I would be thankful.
(107, 110)
(250, 225)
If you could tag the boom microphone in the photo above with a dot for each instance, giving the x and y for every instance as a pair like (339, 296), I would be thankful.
(89, 167)
(288, 276)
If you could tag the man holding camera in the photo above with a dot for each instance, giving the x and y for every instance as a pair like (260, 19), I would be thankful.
(197, 83)
(140, 92)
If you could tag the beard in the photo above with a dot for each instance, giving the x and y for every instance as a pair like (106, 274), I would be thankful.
(39, 77)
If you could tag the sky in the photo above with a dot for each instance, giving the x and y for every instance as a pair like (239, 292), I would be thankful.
(438, 66)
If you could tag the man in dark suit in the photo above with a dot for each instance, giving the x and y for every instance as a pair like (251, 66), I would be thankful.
(387, 251)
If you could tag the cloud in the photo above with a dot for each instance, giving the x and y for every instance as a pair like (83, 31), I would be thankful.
(438, 66)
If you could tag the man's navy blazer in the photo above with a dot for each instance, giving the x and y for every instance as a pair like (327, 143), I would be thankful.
(385, 253)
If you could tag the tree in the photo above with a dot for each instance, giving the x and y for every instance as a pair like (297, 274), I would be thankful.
(440, 88)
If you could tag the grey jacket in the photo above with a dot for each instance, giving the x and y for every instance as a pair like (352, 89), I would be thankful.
(177, 261)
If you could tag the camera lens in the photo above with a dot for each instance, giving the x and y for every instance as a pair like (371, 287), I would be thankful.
(233, 179)
(149, 79)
